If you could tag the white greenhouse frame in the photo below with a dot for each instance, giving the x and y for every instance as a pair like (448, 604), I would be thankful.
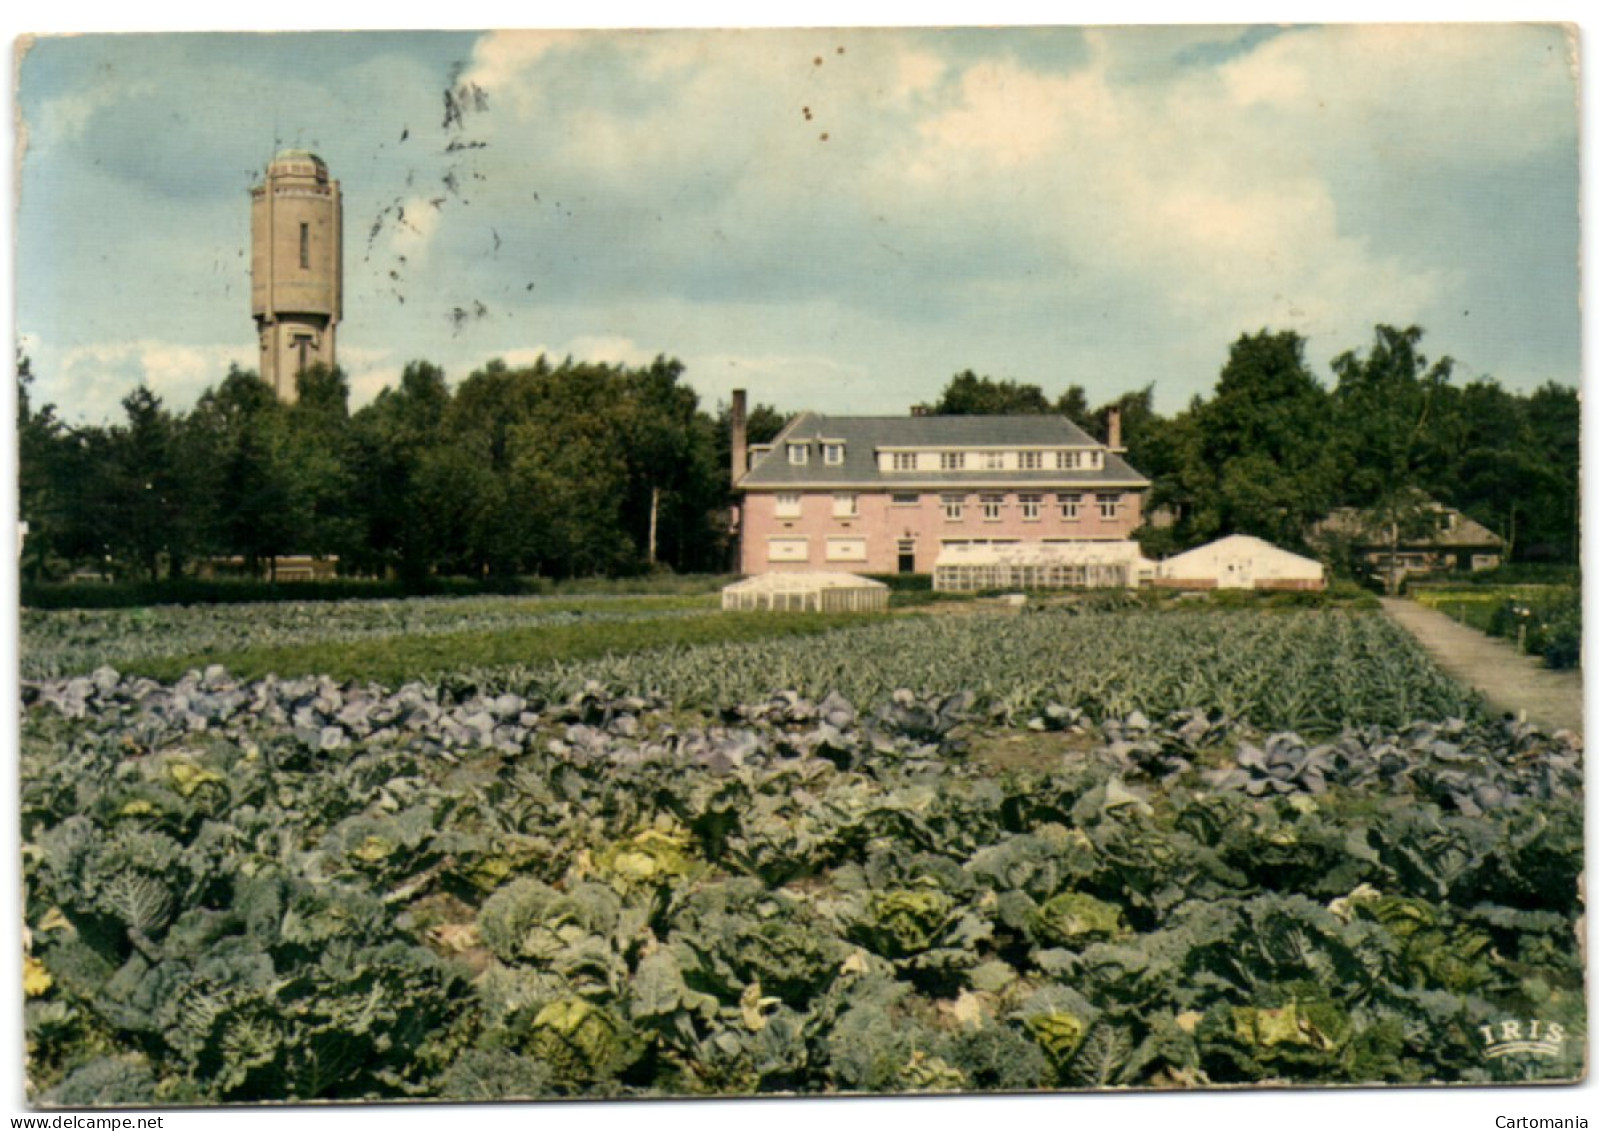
(806, 592)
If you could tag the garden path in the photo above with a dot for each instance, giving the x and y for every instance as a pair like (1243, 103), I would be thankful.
(1512, 682)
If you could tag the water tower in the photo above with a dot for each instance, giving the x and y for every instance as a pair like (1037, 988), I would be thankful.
(296, 267)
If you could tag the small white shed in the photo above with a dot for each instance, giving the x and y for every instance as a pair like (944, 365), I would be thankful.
(1240, 562)
(807, 593)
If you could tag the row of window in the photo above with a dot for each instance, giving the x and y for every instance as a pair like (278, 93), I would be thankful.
(799, 454)
(847, 505)
(1062, 460)
(832, 454)
(798, 549)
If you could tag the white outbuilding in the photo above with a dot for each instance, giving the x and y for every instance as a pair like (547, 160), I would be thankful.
(1240, 562)
(816, 592)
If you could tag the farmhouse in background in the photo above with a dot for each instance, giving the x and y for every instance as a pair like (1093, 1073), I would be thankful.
(872, 494)
(1431, 538)
(1240, 562)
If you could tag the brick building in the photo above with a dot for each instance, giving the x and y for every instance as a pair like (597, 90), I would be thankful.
(868, 494)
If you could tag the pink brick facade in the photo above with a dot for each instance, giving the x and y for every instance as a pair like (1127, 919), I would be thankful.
(887, 526)
(863, 494)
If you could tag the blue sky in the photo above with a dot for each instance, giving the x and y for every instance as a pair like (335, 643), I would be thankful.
(837, 220)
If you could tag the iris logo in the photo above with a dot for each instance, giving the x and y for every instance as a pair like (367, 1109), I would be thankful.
(1537, 1038)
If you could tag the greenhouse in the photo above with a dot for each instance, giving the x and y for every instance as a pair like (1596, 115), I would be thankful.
(807, 592)
(973, 567)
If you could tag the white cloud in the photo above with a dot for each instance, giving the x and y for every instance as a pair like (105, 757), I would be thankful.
(1414, 94)
(502, 60)
(413, 228)
(90, 381)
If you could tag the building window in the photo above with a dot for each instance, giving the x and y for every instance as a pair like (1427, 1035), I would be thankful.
(992, 506)
(904, 461)
(833, 454)
(1030, 461)
(1096, 459)
(1068, 506)
(788, 505)
(1030, 505)
(799, 454)
(844, 506)
(1109, 505)
(954, 508)
(1068, 461)
(906, 500)
(788, 550)
(993, 461)
(846, 549)
(952, 461)
(305, 247)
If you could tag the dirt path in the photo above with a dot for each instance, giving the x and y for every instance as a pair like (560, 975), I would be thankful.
(1512, 682)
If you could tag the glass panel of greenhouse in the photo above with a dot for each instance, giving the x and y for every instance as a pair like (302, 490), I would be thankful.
(1041, 565)
(807, 592)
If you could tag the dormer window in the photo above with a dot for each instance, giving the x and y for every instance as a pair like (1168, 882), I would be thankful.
(993, 461)
(1067, 461)
(952, 461)
(832, 454)
(1030, 461)
(904, 461)
(799, 454)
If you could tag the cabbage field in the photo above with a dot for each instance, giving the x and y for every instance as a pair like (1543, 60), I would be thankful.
(1072, 848)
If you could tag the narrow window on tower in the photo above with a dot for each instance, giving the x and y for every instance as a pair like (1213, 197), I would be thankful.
(305, 247)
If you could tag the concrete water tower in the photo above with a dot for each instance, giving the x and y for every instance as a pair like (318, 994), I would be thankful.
(296, 267)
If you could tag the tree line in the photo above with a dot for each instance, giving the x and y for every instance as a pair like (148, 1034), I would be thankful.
(1273, 450)
(583, 469)
(555, 470)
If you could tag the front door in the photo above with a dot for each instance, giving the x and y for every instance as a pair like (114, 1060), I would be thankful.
(907, 555)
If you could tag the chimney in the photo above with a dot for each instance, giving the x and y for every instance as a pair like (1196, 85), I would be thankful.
(1113, 428)
(740, 439)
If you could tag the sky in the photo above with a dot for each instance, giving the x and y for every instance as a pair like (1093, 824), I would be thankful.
(832, 219)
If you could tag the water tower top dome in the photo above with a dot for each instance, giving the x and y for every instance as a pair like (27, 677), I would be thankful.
(299, 161)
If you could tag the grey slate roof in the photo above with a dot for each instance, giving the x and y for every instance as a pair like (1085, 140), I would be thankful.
(1368, 531)
(865, 436)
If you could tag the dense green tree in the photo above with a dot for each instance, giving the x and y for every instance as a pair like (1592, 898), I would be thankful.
(1073, 405)
(393, 439)
(1554, 514)
(261, 512)
(320, 453)
(967, 394)
(42, 441)
(1254, 459)
(144, 489)
(1392, 434)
